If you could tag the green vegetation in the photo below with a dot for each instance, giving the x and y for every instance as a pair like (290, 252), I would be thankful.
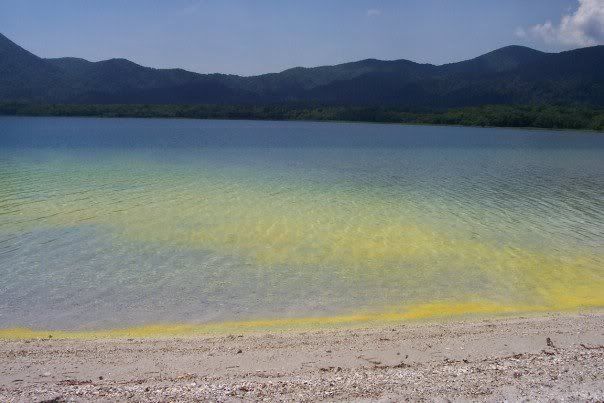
(539, 116)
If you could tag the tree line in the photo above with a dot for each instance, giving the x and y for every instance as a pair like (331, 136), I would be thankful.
(537, 116)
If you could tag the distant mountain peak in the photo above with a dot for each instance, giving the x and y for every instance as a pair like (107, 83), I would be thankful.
(514, 48)
(499, 60)
(6, 45)
(517, 52)
(509, 75)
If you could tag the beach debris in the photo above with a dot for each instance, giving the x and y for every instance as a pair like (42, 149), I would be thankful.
(585, 346)
(401, 365)
(327, 369)
(494, 373)
(239, 351)
(550, 343)
(74, 382)
(58, 399)
(370, 360)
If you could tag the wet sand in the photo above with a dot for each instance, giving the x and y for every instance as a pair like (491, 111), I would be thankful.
(556, 356)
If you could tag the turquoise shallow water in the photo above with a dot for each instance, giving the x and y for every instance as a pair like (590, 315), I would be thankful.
(122, 222)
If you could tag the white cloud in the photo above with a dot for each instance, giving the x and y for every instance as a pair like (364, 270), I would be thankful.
(520, 32)
(584, 27)
(374, 12)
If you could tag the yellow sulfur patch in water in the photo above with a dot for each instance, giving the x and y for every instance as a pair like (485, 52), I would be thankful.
(438, 310)
(436, 255)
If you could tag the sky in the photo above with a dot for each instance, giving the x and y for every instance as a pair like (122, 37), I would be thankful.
(249, 37)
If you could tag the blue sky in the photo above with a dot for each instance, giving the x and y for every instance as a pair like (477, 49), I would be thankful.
(257, 36)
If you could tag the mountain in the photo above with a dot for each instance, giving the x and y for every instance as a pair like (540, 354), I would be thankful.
(26, 77)
(510, 75)
(497, 61)
(122, 81)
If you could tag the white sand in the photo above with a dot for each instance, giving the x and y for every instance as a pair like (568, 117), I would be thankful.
(477, 360)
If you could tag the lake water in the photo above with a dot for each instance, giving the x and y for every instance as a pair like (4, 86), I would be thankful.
(108, 223)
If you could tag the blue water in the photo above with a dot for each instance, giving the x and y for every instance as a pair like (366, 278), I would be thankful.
(119, 222)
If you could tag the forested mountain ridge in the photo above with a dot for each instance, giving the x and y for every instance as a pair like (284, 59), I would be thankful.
(512, 75)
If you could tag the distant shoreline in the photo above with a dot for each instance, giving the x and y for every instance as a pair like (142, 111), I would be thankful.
(495, 116)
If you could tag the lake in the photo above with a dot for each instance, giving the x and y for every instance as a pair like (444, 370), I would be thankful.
(108, 223)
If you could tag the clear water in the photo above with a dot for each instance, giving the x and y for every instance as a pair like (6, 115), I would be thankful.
(121, 222)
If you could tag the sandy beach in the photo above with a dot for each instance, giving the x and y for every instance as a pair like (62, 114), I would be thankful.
(556, 356)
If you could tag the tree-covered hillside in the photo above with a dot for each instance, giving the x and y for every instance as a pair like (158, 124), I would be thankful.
(512, 75)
